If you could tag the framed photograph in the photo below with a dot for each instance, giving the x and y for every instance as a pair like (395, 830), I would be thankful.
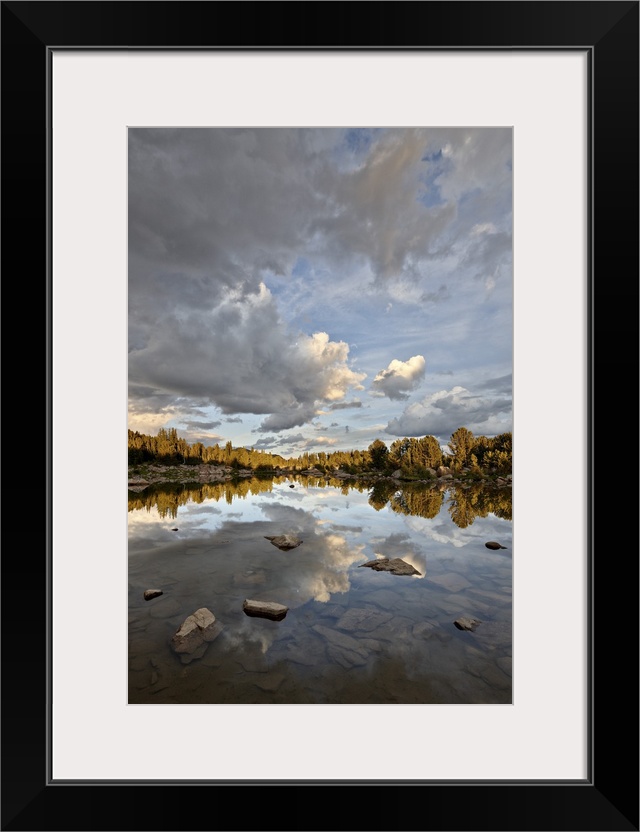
(371, 239)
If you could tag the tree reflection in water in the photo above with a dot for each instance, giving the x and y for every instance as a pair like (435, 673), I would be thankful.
(464, 503)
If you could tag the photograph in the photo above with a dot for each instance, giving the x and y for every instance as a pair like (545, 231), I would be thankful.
(320, 415)
(303, 274)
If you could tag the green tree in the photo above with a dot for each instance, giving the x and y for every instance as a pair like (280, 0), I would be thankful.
(378, 453)
(461, 444)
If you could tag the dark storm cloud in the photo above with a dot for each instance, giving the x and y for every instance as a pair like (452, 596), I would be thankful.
(208, 211)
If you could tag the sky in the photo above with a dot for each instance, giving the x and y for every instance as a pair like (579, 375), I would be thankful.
(316, 289)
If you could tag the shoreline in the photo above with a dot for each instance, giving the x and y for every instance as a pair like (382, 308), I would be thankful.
(142, 476)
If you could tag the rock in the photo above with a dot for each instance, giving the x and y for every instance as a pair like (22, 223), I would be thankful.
(312, 653)
(265, 609)
(174, 530)
(284, 541)
(496, 635)
(348, 651)
(397, 474)
(198, 653)
(464, 623)
(362, 619)
(424, 629)
(442, 471)
(271, 682)
(493, 545)
(292, 486)
(194, 631)
(152, 593)
(396, 566)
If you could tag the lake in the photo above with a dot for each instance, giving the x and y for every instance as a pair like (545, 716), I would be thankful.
(352, 635)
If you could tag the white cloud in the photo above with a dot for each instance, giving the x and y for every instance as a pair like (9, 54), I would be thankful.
(399, 378)
(148, 423)
(483, 228)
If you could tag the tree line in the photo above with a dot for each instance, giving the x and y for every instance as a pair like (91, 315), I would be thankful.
(414, 457)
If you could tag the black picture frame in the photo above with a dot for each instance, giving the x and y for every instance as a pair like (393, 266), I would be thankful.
(608, 799)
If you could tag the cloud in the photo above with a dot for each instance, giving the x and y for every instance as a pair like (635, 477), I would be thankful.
(483, 228)
(241, 358)
(345, 405)
(502, 385)
(206, 438)
(147, 422)
(441, 413)
(399, 378)
(219, 218)
(440, 295)
(319, 440)
(209, 212)
(234, 419)
(267, 442)
(378, 214)
(191, 424)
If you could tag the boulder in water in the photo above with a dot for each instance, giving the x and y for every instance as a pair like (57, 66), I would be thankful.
(284, 541)
(194, 631)
(265, 609)
(464, 623)
(396, 566)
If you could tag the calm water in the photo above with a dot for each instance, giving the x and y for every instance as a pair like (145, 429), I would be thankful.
(352, 635)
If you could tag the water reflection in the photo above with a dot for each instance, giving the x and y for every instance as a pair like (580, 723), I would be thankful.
(352, 635)
(464, 503)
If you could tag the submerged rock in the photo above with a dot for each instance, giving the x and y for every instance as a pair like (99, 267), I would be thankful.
(194, 631)
(464, 623)
(356, 618)
(396, 566)
(284, 541)
(265, 609)
(493, 545)
(344, 649)
(152, 593)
